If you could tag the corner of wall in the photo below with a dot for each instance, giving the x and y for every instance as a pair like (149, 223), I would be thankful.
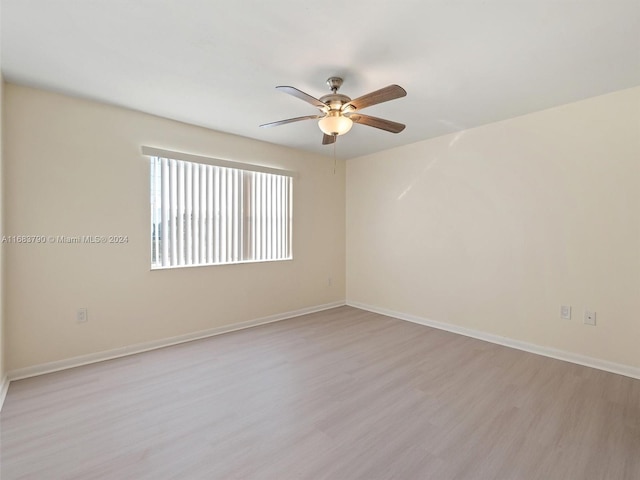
(493, 228)
(4, 382)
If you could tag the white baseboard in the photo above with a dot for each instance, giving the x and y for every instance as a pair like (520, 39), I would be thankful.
(4, 388)
(605, 365)
(155, 344)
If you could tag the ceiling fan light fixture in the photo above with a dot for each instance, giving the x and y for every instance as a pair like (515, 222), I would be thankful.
(334, 123)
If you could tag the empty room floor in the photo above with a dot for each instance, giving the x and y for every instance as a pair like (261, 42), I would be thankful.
(339, 394)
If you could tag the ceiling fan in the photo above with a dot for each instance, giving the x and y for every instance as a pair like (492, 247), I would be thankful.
(339, 112)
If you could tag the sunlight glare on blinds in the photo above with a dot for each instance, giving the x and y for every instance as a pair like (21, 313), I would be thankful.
(207, 215)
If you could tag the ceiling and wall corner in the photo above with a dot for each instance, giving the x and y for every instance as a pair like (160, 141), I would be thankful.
(463, 63)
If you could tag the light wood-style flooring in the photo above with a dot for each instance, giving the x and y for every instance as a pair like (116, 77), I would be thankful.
(341, 394)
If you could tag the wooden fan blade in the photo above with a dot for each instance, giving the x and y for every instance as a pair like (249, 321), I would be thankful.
(328, 139)
(379, 96)
(291, 120)
(381, 123)
(304, 96)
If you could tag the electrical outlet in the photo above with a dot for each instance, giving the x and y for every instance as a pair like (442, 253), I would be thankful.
(590, 318)
(82, 315)
(565, 312)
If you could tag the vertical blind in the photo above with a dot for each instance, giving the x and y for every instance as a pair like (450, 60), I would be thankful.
(207, 215)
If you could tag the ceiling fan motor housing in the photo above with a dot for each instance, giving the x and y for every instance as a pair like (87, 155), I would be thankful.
(334, 100)
(334, 122)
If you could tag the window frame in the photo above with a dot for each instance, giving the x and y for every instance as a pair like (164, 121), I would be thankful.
(249, 229)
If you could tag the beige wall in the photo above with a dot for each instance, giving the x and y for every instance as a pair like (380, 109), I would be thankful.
(2, 334)
(73, 167)
(493, 228)
(3, 363)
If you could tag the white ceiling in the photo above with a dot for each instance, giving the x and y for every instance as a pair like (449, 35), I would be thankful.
(216, 63)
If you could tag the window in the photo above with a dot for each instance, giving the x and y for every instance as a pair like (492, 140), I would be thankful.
(212, 214)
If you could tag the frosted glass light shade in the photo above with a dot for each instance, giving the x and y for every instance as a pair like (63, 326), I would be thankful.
(335, 124)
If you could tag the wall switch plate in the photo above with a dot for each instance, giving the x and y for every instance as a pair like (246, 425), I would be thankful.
(565, 312)
(589, 318)
(82, 315)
